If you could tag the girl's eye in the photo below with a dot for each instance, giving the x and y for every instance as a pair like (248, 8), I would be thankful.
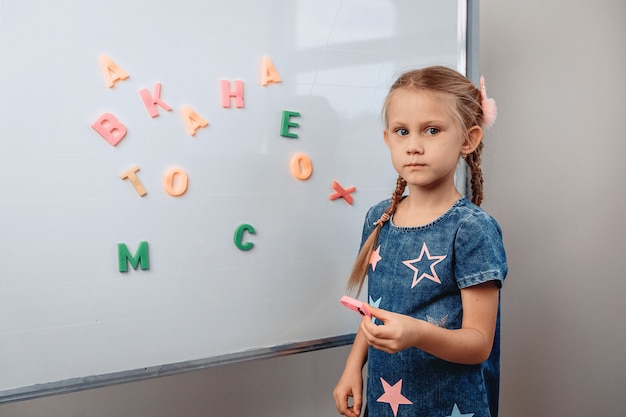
(432, 131)
(402, 131)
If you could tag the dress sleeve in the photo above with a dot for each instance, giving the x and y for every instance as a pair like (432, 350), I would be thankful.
(479, 252)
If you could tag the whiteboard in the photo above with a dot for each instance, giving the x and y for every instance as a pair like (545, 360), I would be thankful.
(68, 313)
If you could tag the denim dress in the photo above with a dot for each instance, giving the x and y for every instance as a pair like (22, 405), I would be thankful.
(419, 271)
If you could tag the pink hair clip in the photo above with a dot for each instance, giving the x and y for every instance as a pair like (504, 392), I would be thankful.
(490, 110)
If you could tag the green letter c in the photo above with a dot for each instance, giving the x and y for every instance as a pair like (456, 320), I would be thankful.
(238, 239)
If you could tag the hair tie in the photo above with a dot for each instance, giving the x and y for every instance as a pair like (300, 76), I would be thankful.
(383, 219)
(490, 111)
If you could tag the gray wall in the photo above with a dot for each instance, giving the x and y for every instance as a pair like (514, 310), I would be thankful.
(554, 172)
(555, 166)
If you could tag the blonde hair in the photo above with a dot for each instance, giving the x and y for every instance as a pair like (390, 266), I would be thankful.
(467, 110)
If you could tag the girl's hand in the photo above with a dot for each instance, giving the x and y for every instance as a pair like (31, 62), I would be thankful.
(471, 344)
(350, 385)
(398, 333)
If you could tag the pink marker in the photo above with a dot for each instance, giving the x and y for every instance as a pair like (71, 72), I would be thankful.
(356, 305)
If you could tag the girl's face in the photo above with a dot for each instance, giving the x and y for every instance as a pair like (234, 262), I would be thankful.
(424, 138)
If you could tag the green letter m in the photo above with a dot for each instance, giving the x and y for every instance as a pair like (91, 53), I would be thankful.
(124, 257)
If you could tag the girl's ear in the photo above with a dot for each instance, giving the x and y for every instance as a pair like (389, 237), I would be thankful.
(386, 137)
(474, 136)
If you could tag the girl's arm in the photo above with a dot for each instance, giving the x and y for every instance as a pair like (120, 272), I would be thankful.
(471, 344)
(351, 382)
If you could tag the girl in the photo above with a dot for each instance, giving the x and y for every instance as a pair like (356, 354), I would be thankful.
(434, 263)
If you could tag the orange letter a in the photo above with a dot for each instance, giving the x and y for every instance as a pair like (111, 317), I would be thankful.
(111, 71)
(268, 72)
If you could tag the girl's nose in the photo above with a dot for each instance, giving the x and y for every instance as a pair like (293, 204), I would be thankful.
(414, 146)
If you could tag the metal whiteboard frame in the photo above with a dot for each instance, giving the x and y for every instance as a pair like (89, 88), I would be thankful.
(99, 381)
(468, 63)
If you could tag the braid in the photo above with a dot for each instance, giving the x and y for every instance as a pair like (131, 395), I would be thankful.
(362, 263)
(397, 196)
(476, 174)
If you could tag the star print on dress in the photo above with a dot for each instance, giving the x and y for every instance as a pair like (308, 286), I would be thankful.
(441, 322)
(375, 257)
(393, 396)
(374, 304)
(433, 274)
(457, 413)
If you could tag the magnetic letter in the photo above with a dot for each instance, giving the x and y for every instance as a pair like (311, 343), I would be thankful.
(141, 259)
(111, 71)
(268, 72)
(301, 167)
(111, 129)
(151, 101)
(286, 123)
(169, 179)
(131, 175)
(227, 94)
(238, 239)
(342, 193)
(193, 121)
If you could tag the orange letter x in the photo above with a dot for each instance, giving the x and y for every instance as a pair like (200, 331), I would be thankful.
(345, 194)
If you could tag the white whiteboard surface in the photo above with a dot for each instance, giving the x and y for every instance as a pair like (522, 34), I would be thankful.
(66, 311)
